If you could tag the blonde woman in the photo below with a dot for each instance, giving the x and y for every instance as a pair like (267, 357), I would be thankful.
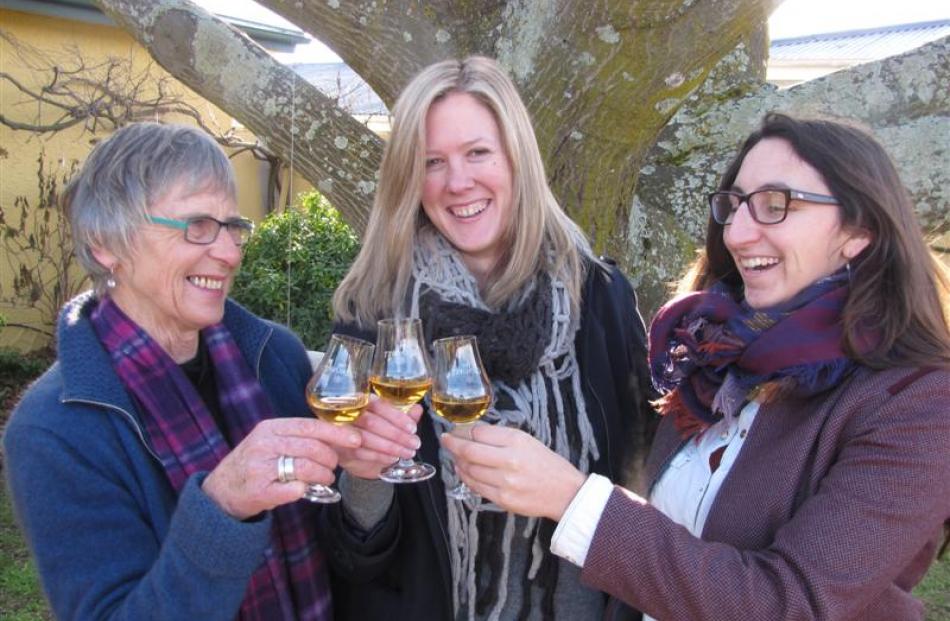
(466, 235)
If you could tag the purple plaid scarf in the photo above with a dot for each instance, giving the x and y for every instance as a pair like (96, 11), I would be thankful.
(292, 582)
(794, 348)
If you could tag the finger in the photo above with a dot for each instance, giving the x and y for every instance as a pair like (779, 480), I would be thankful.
(338, 435)
(383, 429)
(296, 446)
(415, 413)
(473, 452)
(497, 435)
(313, 472)
(283, 493)
(458, 446)
(393, 450)
(393, 415)
(499, 480)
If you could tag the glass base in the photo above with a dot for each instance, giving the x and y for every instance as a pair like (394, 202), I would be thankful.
(463, 492)
(322, 494)
(407, 471)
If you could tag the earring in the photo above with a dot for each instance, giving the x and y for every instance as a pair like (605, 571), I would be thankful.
(110, 281)
(847, 266)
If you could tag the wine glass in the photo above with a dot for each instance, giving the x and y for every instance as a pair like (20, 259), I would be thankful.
(337, 393)
(401, 375)
(461, 392)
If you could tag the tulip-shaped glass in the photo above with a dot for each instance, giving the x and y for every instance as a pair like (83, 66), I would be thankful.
(402, 376)
(338, 391)
(461, 392)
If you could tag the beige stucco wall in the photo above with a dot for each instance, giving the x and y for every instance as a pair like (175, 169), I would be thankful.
(62, 40)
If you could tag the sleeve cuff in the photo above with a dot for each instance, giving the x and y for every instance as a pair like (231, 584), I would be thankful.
(365, 501)
(212, 539)
(575, 531)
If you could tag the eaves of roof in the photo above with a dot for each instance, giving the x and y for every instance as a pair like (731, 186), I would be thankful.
(271, 37)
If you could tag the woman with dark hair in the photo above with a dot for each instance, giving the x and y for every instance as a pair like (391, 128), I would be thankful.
(801, 469)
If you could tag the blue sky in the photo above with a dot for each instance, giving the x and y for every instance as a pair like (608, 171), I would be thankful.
(793, 18)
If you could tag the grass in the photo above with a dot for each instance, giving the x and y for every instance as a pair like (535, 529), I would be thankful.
(21, 598)
(934, 589)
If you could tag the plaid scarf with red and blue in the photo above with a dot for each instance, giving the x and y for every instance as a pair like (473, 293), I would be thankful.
(698, 338)
(292, 581)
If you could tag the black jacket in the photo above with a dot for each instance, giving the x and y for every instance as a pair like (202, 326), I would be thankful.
(401, 569)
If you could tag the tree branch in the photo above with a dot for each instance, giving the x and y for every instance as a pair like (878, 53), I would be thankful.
(332, 150)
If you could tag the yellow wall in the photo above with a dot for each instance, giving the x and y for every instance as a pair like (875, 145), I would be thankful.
(62, 41)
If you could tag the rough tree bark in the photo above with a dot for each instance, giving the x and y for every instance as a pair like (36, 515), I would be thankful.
(897, 98)
(602, 81)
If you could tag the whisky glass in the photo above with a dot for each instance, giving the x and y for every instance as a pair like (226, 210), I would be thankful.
(461, 392)
(401, 375)
(337, 393)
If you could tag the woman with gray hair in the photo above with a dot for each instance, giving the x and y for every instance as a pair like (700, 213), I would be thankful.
(466, 235)
(155, 466)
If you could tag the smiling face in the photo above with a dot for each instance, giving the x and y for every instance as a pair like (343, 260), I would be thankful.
(173, 288)
(468, 181)
(776, 261)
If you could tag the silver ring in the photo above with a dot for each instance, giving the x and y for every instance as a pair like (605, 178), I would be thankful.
(285, 469)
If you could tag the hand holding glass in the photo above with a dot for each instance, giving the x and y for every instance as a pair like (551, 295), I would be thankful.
(401, 375)
(338, 392)
(461, 392)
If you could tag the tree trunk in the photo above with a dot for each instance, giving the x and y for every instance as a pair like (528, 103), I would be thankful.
(636, 103)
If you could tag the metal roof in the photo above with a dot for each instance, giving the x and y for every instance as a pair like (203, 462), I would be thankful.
(272, 37)
(859, 45)
(338, 81)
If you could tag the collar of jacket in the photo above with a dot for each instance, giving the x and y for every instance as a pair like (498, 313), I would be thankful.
(86, 366)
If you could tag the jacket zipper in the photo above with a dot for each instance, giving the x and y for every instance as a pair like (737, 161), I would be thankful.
(126, 414)
(134, 423)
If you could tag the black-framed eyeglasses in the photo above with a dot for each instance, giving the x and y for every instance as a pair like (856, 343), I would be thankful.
(765, 206)
(203, 230)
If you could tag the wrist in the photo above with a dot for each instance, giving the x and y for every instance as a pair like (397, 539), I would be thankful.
(210, 488)
(573, 485)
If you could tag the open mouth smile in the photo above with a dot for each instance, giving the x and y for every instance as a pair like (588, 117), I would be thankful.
(205, 282)
(470, 210)
(758, 263)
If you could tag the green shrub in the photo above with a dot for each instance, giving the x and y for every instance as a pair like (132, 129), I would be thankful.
(318, 255)
(17, 370)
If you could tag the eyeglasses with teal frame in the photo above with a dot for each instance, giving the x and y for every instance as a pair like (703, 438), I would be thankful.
(203, 230)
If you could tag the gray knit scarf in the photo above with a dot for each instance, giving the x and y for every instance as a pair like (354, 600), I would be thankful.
(542, 397)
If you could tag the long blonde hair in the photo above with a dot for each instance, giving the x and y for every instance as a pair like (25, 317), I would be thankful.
(539, 238)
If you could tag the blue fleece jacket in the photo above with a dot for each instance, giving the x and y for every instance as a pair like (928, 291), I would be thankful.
(111, 538)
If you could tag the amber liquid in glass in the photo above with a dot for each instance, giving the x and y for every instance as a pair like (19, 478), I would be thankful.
(338, 410)
(460, 411)
(400, 392)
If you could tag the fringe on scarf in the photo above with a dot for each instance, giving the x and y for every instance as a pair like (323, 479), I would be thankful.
(538, 407)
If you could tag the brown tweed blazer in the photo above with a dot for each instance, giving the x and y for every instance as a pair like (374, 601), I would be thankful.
(833, 510)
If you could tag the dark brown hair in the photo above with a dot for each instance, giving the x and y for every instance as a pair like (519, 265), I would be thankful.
(898, 288)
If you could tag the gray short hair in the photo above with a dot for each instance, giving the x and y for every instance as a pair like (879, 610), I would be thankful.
(108, 200)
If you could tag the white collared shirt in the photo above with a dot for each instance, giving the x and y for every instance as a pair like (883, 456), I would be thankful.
(684, 492)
